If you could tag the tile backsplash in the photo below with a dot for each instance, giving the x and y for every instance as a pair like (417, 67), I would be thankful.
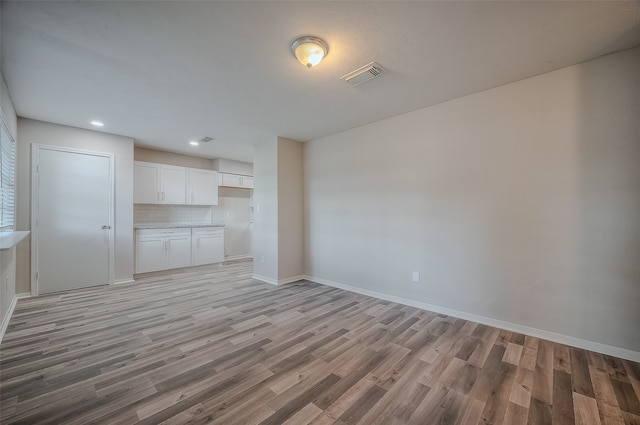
(175, 214)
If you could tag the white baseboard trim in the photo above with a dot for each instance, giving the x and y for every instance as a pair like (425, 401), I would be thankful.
(514, 327)
(265, 279)
(291, 279)
(10, 310)
(7, 317)
(279, 281)
(122, 281)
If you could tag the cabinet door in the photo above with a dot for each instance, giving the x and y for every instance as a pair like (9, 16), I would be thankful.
(208, 249)
(174, 184)
(247, 182)
(146, 179)
(150, 254)
(178, 251)
(231, 180)
(203, 187)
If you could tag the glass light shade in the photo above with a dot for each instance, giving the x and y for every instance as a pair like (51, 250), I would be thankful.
(309, 50)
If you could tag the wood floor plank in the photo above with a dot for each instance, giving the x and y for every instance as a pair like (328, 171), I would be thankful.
(562, 410)
(539, 413)
(562, 358)
(542, 389)
(515, 414)
(585, 410)
(521, 389)
(626, 396)
(580, 377)
(209, 345)
(513, 353)
(530, 353)
(631, 419)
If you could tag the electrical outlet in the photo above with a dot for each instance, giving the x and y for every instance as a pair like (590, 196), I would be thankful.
(263, 259)
(415, 276)
(227, 214)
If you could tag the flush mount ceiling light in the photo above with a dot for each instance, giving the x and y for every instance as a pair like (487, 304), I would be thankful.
(309, 50)
(97, 123)
(201, 140)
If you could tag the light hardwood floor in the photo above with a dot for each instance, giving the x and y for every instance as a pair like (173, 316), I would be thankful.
(209, 345)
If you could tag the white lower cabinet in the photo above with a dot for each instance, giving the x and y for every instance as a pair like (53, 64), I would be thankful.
(161, 249)
(179, 250)
(149, 253)
(207, 245)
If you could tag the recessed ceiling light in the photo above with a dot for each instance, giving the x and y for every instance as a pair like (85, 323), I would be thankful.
(194, 143)
(97, 123)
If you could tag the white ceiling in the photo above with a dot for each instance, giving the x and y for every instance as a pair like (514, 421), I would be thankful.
(168, 72)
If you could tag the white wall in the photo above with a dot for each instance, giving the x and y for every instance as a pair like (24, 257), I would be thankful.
(264, 238)
(519, 203)
(234, 208)
(7, 257)
(290, 210)
(278, 229)
(32, 131)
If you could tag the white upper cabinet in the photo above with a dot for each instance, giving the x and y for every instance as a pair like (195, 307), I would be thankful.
(158, 183)
(235, 180)
(202, 187)
(146, 183)
(173, 182)
(170, 184)
(231, 180)
(247, 182)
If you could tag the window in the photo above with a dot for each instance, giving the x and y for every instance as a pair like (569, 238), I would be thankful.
(7, 178)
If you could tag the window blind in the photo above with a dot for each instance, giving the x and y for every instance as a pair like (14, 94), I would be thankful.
(7, 178)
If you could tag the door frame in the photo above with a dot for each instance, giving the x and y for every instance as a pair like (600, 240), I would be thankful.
(35, 151)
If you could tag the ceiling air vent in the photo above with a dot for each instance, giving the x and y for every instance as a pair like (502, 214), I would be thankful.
(205, 139)
(364, 74)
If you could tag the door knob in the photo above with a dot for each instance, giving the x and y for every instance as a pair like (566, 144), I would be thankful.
(106, 226)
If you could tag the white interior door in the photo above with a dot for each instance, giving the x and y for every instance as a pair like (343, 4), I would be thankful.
(72, 219)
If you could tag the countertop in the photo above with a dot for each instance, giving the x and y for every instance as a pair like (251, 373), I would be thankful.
(10, 239)
(172, 226)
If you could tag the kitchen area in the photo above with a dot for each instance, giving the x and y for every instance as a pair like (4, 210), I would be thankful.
(189, 211)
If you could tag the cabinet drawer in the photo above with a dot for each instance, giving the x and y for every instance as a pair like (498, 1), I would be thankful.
(161, 233)
(212, 231)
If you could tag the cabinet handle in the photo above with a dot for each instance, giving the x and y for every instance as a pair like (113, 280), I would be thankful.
(168, 246)
(159, 197)
(163, 195)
